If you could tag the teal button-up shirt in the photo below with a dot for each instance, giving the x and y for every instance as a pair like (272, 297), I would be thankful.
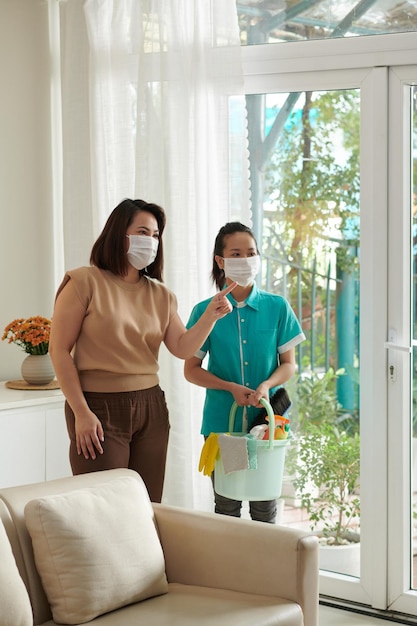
(244, 348)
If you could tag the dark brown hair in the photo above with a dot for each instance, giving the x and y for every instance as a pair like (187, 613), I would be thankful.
(109, 250)
(217, 274)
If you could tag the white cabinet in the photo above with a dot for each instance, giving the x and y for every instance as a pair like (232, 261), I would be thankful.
(34, 441)
(56, 444)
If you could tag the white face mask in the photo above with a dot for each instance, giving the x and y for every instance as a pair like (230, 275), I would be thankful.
(142, 250)
(242, 269)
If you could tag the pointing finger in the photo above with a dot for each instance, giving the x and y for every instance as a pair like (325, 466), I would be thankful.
(228, 289)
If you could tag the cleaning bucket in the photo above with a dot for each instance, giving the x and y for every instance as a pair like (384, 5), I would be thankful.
(262, 483)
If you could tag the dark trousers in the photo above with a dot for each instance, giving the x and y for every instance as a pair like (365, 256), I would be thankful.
(136, 430)
(260, 511)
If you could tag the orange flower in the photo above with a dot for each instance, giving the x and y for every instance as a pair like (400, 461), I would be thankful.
(32, 334)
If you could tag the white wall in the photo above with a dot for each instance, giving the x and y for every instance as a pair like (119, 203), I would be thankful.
(26, 241)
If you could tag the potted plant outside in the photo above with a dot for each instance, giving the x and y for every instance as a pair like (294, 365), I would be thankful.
(327, 478)
(326, 467)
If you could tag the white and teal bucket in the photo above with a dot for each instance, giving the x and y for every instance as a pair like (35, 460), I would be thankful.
(262, 483)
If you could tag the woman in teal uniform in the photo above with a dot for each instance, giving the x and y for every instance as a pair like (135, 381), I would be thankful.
(251, 352)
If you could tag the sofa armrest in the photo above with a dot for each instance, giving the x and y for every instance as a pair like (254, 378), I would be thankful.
(212, 550)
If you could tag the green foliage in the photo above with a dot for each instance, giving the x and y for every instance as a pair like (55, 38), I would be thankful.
(314, 401)
(314, 398)
(312, 181)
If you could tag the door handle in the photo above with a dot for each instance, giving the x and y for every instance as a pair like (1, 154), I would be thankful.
(390, 345)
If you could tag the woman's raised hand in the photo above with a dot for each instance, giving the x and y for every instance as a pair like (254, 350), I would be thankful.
(220, 305)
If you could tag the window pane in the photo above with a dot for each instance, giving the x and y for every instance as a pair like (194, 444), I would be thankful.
(304, 163)
(280, 20)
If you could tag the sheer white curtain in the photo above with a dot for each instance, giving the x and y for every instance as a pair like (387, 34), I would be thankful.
(98, 170)
(145, 93)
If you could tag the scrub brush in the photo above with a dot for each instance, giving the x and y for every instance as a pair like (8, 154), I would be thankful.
(280, 403)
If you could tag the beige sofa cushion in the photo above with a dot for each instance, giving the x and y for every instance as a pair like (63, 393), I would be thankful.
(96, 549)
(15, 608)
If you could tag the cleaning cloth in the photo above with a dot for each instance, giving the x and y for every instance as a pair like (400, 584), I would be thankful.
(252, 445)
(234, 453)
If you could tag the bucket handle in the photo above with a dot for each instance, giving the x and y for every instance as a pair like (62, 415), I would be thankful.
(269, 411)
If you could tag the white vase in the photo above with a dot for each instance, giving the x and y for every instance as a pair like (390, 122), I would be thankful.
(37, 369)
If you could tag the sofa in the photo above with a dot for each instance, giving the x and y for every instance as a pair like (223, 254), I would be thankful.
(94, 549)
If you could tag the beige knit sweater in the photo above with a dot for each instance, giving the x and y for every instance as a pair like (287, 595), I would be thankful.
(124, 325)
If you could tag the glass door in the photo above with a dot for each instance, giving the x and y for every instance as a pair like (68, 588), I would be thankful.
(320, 211)
(305, 181)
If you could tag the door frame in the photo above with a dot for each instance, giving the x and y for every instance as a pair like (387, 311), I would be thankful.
(400, 595)
(363, 63)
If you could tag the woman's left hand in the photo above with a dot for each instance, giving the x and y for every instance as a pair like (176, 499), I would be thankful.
(254, 397)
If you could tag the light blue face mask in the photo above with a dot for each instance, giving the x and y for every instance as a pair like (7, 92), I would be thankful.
(142, 250)
(242, 269)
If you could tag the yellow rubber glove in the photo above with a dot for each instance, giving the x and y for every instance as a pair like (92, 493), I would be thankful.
(208, 455)
(205, 452)
(212, 456)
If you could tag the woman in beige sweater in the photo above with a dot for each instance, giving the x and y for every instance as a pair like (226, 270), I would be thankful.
(108, 324)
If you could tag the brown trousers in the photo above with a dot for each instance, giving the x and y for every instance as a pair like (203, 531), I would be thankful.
(136, 429)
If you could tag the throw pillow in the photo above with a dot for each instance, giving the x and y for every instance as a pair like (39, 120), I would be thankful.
(96, 549)
(15, 608)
